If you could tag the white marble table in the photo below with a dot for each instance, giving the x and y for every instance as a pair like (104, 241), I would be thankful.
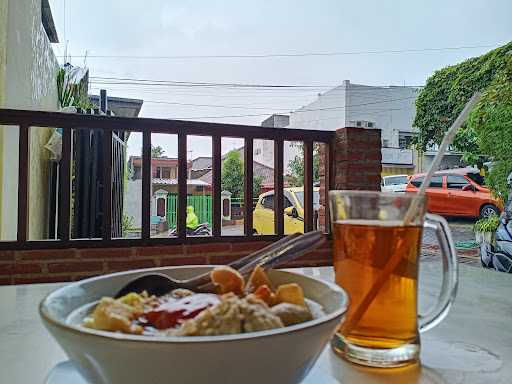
(472, 345)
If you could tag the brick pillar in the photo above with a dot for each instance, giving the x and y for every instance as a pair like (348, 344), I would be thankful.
(322, 222)
(358, 159)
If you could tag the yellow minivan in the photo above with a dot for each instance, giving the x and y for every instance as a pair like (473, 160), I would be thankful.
(293, 202)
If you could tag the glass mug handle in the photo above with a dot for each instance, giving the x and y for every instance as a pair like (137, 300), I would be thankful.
(450, 273)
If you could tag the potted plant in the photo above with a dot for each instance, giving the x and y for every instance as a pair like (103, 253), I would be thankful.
(485, 228)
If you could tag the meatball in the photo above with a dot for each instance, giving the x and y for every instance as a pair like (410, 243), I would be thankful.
(291, 313)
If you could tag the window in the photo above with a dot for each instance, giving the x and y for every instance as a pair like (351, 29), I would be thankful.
(456, 182)
(166, 173)
(395, 180)
(435, 182)
(417, 181)
(404, 141)
(286, 202)
(477, 178)
(370, 125)
(385, 143)
(316, 198)
(268, 202)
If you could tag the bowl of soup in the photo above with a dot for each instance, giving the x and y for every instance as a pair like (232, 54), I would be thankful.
(255, 336)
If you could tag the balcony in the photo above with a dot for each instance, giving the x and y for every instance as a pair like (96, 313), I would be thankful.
(347, 159)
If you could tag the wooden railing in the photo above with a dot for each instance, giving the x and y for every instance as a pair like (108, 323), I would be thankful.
(108, 124)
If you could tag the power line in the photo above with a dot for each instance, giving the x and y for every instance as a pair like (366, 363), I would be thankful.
(266, 114)
(265, 87)
(304, 121)
(300, 54)
(131, 81)
(238, 95)
(274, 109)
(297, 111)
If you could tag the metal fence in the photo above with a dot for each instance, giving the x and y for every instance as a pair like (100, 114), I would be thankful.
(202, 205)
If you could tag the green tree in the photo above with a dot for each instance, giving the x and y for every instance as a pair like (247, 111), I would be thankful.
(448, 90)
(232, 179)
(296, 165)
(257, 181)
(491, 123)
(157, 151)
(488, 133)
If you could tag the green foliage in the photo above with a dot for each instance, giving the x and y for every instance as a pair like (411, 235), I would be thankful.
(232, 179)
(157, 151)
(488, 132)
(257, 181)
(448, 90)
(296, 165)
(489, 224)
(127, 223)
(491, 121)
(66, 95)
(71, 95)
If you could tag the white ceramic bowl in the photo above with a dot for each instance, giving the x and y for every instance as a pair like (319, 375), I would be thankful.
(283, 355)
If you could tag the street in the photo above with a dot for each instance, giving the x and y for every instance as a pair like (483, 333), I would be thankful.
(463, 237)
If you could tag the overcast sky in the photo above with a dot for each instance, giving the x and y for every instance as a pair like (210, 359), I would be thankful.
(166, 28)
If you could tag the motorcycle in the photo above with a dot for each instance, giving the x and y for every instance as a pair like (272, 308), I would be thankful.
(499, 257)
(201, 230)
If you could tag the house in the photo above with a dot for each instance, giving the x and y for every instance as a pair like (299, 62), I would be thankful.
(28, 80)
(164, 185)
(390, 109)
(120, 106)
(202, 169)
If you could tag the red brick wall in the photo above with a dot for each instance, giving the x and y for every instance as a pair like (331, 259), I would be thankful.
(49, 266)
(357, 156)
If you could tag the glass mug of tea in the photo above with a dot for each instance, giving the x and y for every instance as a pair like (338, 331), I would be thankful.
(376, 245)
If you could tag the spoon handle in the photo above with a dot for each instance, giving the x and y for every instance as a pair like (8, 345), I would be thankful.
(294, 249)
(290, 250)
(204, 278)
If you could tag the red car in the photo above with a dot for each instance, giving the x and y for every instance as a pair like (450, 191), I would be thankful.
(457, 192)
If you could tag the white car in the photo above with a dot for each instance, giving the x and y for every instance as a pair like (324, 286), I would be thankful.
(394, 183)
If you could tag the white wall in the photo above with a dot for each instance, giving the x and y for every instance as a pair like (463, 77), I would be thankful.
(391, 108)
(132, 205)
(327, 112)
(29, 72)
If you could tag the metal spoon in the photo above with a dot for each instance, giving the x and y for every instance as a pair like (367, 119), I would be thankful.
(281, 251)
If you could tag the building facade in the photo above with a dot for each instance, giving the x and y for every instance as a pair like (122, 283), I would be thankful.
(390, 109)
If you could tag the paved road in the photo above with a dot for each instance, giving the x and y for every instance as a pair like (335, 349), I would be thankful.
(463, 235)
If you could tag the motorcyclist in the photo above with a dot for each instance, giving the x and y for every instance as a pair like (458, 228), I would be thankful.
(192, 220)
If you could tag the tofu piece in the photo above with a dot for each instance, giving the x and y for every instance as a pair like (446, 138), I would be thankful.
(115, 316)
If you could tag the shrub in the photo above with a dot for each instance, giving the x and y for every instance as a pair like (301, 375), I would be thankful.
(489, 224)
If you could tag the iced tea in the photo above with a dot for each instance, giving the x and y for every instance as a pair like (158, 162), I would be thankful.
(362, 248)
